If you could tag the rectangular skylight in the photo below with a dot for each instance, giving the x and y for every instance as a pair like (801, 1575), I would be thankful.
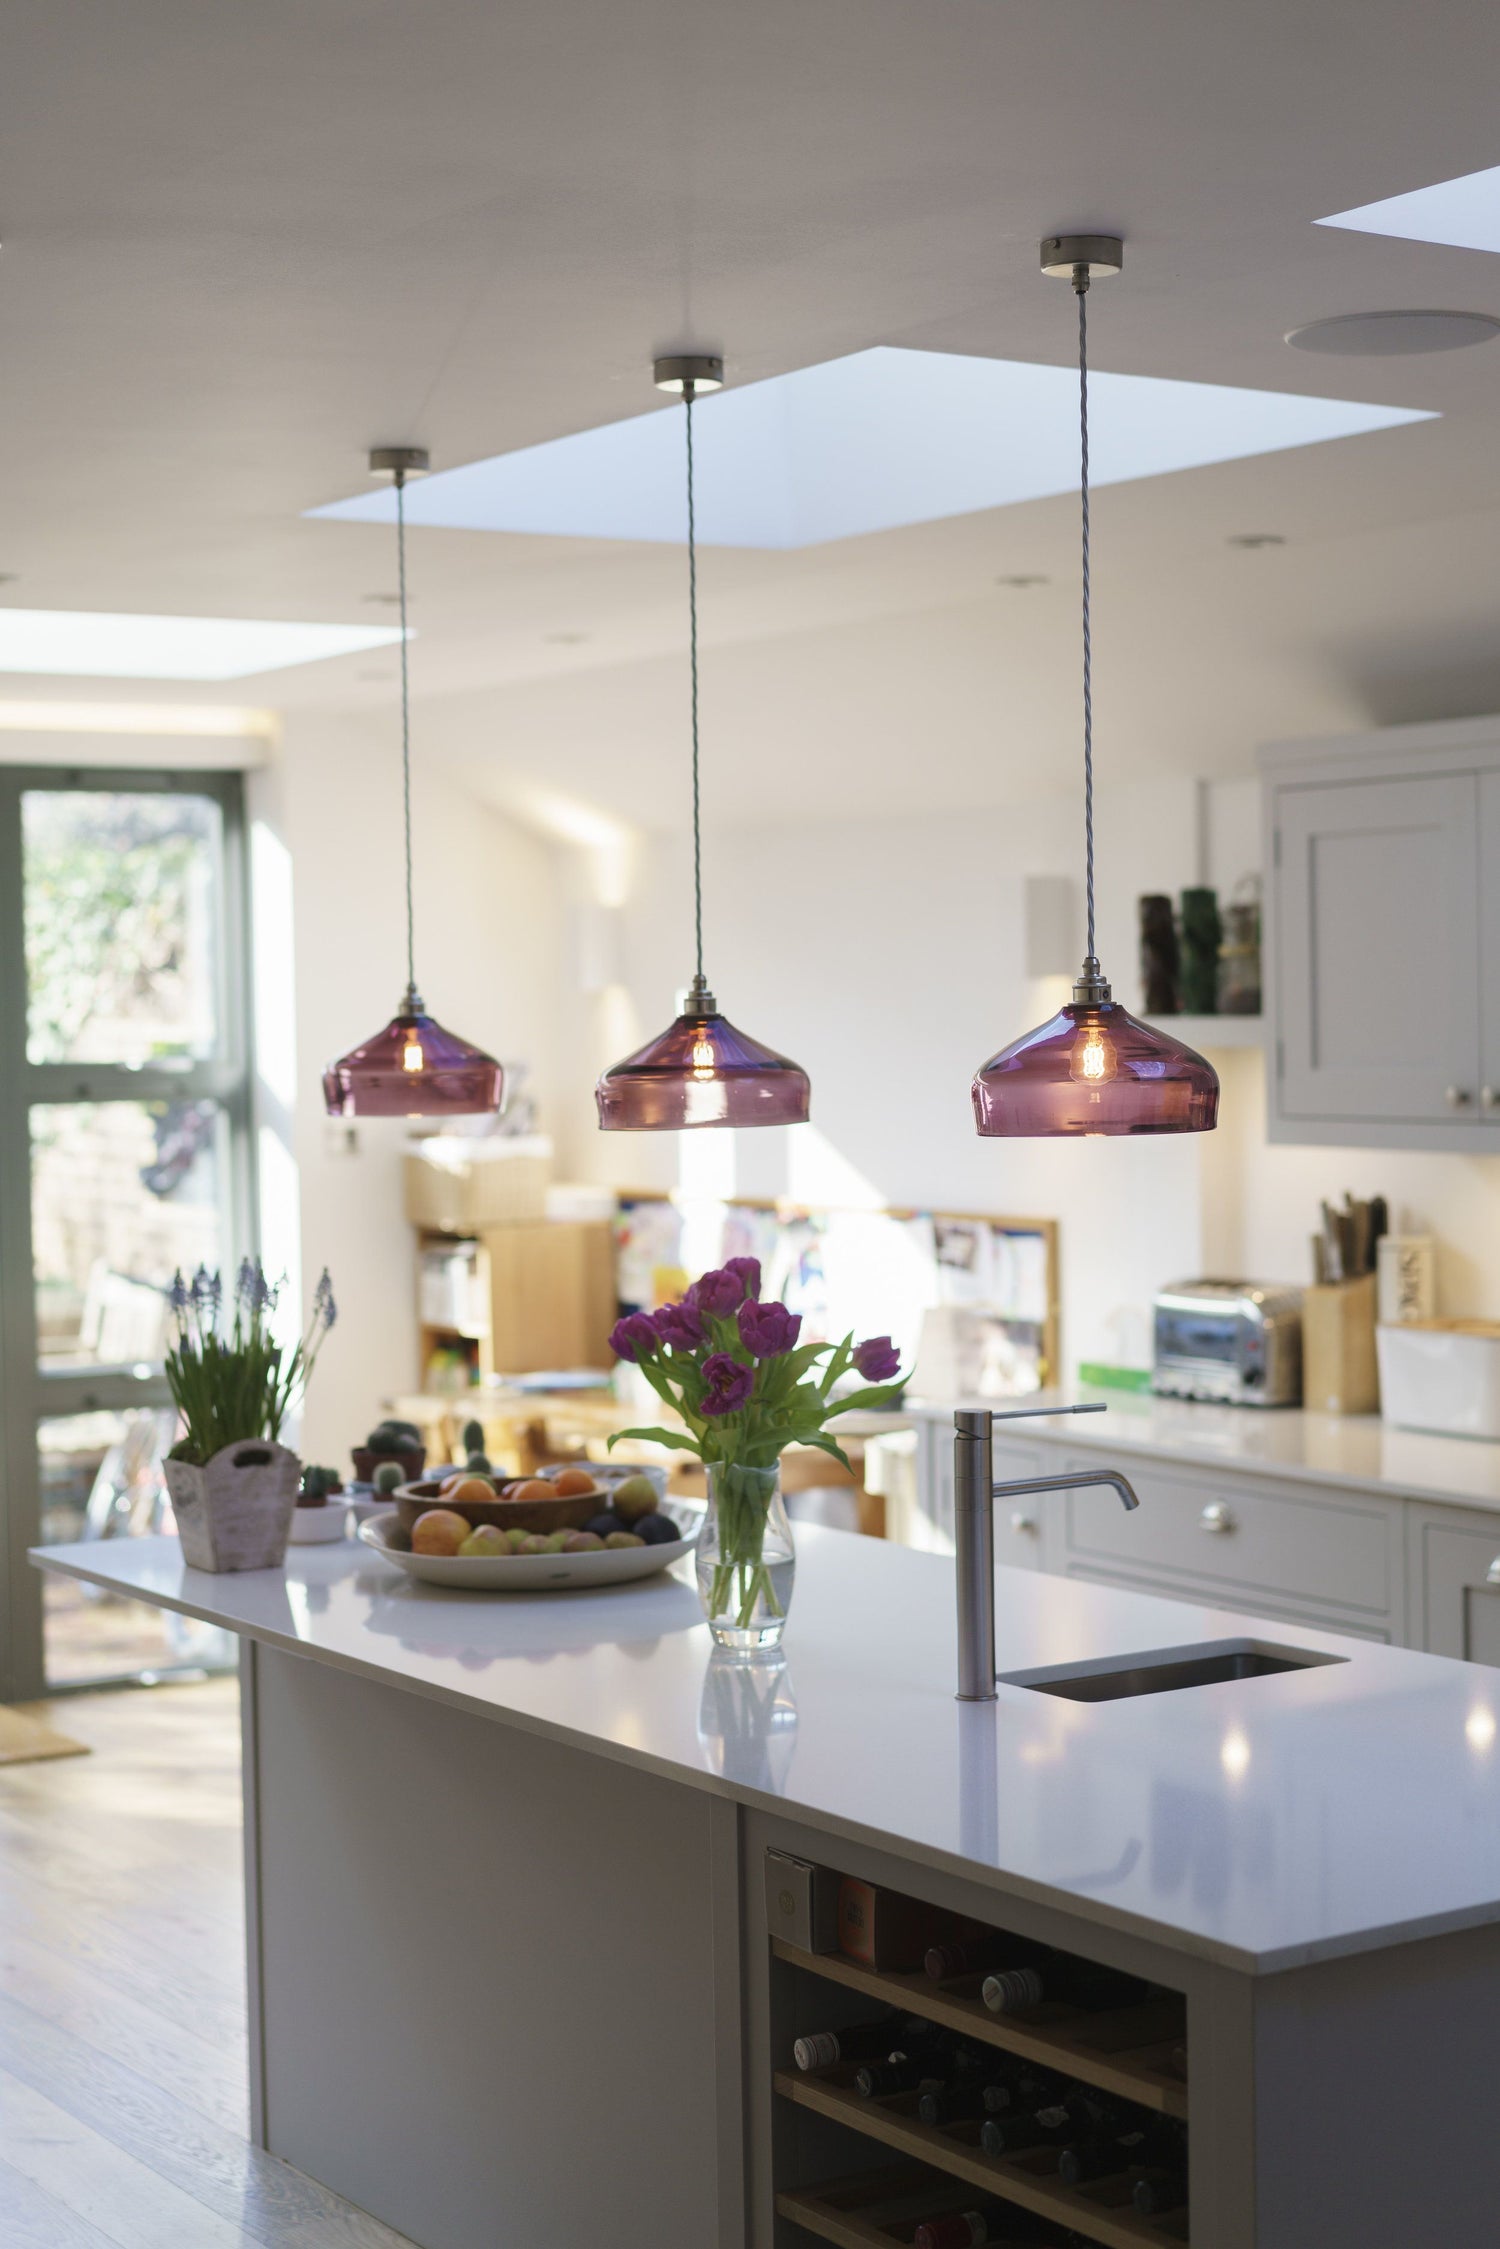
(884, 437)
(103, 644)
(1464, 213)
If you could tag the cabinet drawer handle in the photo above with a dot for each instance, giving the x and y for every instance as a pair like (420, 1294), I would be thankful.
(1492, 1574)
(1458, 1097)
(1021, 1521)
(1216, 1517)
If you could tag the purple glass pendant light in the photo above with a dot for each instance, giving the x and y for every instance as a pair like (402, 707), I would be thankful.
(412, 1068)
(701, 1070)
(1093, 1069)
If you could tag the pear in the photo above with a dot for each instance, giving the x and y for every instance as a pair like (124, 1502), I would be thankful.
(635, 1496)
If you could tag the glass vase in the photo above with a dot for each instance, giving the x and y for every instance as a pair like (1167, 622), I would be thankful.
(746, 1559)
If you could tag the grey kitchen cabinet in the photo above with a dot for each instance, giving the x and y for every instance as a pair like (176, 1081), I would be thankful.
(1455, 1574)
(1334, 1556)
(1021, 1525)
(1382, 921)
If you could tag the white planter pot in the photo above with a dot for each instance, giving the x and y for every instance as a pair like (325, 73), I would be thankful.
(235, 1512)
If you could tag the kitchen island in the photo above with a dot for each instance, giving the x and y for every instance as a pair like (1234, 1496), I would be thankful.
(514, 1976)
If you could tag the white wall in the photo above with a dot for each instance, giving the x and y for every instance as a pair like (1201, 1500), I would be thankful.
(490, 930)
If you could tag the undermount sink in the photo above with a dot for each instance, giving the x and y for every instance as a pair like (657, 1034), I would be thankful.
(1166, 1671)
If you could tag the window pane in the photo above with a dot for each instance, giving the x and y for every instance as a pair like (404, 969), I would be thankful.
(101, 1478)
(122, 902)
(123, 1193)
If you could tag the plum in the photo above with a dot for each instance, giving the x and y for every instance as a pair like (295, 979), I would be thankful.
(656, 1530)
(602, 1525)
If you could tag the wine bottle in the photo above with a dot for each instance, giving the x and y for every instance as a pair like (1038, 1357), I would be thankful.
(945, 2063)
(1011, 2134)
(954, 2104)
(1102, 2154)
(997, 2222)
(976, 1956)
(861, 2042)
(1159, 2191)
(1058, 1976)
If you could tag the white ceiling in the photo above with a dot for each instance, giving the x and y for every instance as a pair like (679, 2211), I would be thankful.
(243, 244)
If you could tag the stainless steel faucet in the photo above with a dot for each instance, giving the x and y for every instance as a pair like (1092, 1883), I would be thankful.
(974, 1494)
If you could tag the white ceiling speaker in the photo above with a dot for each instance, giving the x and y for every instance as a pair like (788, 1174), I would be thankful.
(1393, 335)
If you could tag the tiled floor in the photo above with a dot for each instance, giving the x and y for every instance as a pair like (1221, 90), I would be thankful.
(122, 2017)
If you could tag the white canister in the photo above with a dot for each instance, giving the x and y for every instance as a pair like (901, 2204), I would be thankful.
(1406, 1279)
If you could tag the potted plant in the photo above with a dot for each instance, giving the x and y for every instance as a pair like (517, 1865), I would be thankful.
(732, 1368)
(232, 1484)
(400, 1441)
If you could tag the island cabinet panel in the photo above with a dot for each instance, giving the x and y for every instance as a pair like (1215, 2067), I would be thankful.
(1337, 1554)
(1455, 1575)
(1023, 1525)
(496, 1979)
(1338, 2105)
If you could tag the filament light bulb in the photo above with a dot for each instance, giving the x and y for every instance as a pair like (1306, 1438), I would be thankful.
(412, 1057)
(704, 1057)
(1094, 1060)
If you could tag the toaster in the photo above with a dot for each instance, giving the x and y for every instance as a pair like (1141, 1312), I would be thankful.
(1237, 1342)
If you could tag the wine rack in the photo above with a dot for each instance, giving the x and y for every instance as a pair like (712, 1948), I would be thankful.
(1102, 2210)
(1129, 2053)
(876, 2209)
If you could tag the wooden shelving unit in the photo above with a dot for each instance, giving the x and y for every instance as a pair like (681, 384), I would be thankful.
(1128, 2053)
(1101, 2210)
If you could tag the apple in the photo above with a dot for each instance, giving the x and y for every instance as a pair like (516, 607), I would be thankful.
(635, 1496)
(484, 1540)
(438, 1531)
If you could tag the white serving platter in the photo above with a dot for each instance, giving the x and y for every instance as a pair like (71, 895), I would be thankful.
(536, 1573)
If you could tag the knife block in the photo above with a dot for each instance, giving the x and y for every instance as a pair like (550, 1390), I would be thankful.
(1340, 1372)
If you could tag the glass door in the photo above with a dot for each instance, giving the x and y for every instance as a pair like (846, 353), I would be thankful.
(124, 1104)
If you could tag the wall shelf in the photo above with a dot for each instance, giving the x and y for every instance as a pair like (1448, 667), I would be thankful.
(1126, 2053)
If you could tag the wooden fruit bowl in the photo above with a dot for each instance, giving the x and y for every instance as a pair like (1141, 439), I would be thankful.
(542, 1515)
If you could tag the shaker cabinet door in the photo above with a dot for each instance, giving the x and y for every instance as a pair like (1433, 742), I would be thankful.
(1377, 894)
(1489, 947)
(1455, 1567)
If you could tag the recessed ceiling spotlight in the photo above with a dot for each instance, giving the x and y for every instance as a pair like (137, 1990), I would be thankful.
(1024, 578)
(1393, 335)
(385, 600)
(566, 640)
(1255, 539)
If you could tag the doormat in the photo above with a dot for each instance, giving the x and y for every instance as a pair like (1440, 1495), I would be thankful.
(23, 1738)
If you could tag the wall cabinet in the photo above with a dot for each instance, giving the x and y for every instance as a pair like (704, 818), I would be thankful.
(1383, 981)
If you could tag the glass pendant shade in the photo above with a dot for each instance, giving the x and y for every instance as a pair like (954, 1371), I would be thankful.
(701, 1071)
(1094, 1070)
(413, 1068)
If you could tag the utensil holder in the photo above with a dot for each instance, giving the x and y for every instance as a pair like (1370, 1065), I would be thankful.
(1340, 1371)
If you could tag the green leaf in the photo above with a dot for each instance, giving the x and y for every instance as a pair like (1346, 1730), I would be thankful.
(825, 1443)
(669, 1437)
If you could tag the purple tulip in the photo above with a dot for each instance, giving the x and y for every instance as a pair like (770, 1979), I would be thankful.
(634, 1337)
(719, 1294)
(767, 1330)
(680, 1325)
(748, 1270)
(877, 1360)
(729, 1385)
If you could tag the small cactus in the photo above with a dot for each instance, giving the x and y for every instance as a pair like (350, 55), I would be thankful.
(478, 1464)
(317, 1483)
(387, 1476)
(473, 1437)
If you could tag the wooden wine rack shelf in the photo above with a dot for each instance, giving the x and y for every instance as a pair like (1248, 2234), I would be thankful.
(875, 2210)
(1102, 2210)
(1126, 2053)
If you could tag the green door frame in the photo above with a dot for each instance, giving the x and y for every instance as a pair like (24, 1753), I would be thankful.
(27, 1395)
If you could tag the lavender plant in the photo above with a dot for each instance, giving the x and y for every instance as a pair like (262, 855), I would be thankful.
(229, 1377)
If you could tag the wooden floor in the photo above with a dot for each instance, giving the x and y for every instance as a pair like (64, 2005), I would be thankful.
(122, 2010)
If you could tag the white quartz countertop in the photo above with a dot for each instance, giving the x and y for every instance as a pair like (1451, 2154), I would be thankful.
(1284, 1442)
(1263, 1823)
